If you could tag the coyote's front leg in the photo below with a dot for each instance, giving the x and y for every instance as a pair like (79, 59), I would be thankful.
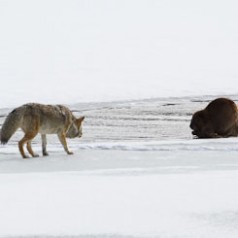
(44, 143)
(62, 138)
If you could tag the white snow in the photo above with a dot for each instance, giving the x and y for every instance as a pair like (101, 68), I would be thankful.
(79, 51)
(75, 52)
(54, 204)
(120, 193)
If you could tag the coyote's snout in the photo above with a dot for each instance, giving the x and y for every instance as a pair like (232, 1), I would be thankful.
(218, 119)
(34, 118)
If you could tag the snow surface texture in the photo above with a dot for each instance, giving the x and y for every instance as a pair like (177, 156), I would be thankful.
(136, 172)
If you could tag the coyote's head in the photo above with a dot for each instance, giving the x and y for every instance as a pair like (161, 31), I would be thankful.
(75, 130)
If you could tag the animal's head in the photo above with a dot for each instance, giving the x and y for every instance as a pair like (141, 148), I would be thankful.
(198, 122)
(75, 130)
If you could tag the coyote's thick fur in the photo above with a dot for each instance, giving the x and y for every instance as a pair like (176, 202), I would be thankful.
(218, 119)
(34, 118)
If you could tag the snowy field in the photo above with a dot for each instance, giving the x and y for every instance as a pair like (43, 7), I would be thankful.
(137, 70)
(137, 172)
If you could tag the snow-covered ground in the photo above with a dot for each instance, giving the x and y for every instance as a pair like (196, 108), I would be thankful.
(137, 69)
(65, 51)
(136, 172)
(121, 194)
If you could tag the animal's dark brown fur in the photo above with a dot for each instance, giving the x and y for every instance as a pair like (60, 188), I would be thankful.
(218, 119)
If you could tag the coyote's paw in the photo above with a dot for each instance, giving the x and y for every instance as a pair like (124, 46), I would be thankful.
(26, 157)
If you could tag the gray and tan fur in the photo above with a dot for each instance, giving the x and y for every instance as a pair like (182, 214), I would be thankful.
(34, 118)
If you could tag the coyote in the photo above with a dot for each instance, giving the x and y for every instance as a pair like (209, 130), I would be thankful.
(34, 118)
(218, 119)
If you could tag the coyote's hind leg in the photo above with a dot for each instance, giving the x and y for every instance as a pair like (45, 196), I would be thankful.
(26, 139)
(29, 148)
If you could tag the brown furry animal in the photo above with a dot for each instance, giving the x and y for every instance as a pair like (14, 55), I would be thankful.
(218, 119)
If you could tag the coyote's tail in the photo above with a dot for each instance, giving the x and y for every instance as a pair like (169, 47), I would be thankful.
(10, 125)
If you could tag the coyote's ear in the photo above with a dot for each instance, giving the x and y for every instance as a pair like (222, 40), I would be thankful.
(79, 120)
